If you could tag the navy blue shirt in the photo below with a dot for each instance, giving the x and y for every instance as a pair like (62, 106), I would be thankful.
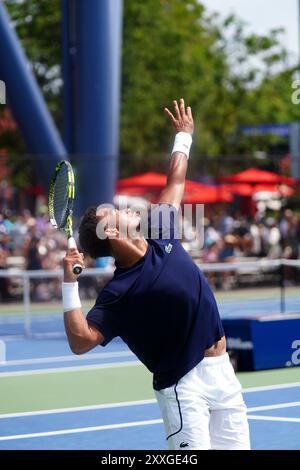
(162, 307)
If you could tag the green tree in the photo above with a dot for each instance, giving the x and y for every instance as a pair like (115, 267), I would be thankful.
(174, 48)
(168, 53)
(38, 26)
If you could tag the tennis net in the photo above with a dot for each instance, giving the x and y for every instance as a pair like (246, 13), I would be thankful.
(243, 289)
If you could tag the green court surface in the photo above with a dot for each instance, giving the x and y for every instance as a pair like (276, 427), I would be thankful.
(50, 390)
(51, 399)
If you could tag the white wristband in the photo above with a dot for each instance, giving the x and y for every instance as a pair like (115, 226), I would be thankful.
(183, 142)
(70, 296)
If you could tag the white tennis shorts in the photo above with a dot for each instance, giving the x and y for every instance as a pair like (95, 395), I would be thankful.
(205, 409)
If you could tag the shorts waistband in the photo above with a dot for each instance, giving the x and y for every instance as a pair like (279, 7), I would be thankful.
(214, 360)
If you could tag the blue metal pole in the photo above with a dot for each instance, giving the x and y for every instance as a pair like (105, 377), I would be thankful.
(27, 103)
(65, 23)
(98, 65)
(68, 63)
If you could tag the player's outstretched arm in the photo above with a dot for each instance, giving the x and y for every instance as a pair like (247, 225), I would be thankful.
(81, 336)
(183, 123)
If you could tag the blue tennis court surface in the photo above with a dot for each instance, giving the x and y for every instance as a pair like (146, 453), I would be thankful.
(274, 411)
(274, 417)
(102, 400)
(235, 305)
(42, 355)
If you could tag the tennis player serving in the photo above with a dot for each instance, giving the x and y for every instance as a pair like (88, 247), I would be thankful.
(161, 305)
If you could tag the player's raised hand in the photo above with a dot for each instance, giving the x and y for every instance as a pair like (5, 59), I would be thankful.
(182, 119)
(72, 258)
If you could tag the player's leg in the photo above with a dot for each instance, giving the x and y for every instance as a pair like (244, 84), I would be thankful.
(229, 429)
(186, 415)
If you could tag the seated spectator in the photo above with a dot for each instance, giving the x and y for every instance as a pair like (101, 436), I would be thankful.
(227, 251)
(227, 255)
(274, 251)
(210, 254)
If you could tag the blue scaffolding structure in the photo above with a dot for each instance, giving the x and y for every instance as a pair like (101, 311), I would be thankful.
(92, 39)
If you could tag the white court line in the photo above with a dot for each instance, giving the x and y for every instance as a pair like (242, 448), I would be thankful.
(271, 407)
(123, 425)
(53, 359)
(75, 409)
(78, 408)
(271, 387)
(130, 424)
(58, 370)
(80, 430)
(273, 418)
(120, 364)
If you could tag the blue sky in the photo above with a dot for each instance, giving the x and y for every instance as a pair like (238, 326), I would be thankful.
(263, 15)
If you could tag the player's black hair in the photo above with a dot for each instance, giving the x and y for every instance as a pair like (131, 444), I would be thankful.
(89, 242)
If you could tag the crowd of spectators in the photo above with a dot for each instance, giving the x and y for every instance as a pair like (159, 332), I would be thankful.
(237, 238)
(31, 243)
(28, 242)
(227, 237)
(32, 239)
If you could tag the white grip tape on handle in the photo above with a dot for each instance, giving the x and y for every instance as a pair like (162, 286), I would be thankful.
(71, 243)
(77, 268)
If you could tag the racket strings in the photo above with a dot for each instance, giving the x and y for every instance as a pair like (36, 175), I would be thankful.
(61, 200)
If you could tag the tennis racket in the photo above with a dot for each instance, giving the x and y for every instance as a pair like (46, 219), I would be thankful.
(61, 199)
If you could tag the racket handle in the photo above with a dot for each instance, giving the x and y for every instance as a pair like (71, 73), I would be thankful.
(77, 268)
(72, 243)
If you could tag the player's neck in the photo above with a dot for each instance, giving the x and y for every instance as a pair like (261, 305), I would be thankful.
(128, 252)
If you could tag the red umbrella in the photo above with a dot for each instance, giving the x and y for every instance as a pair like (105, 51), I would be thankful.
(132, 191)
(206, 194)
(255, 176)
(150, 184)
(151, 179)
(243, 189)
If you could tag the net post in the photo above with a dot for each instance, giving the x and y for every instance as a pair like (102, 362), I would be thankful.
(26, 305)
(282, 287)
